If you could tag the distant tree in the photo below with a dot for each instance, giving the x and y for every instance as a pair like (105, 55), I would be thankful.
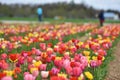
(68, 10)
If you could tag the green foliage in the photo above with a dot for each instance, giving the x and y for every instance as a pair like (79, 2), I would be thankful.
(49, 10)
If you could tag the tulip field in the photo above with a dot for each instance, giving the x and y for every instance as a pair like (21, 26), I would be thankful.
(56, 51)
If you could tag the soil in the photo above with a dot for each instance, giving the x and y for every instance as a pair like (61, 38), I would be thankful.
(114, 66)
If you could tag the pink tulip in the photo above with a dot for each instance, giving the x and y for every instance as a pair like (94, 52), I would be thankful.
(66, 63)
(35, 73)
(21, 60)
(82, 66)
(84, 60)
(3, 56)
(73, 49)
(24, 53)
(37, 58)
(43, 67)
(49, 51)
(93, 63)
(29, 59)
(66, 56)
(77, 57)
(38, 52)
(58, 63)
(42, 46)
(56, 48)
(55, 71)
(30, 66)
(10, 46)
(102, 52)
(76, 71)
(0, 64)
(48, 59)
(5, 66)
(7, 78)
(99, 62)
(69, 70)
(29, 77)
(25, 73)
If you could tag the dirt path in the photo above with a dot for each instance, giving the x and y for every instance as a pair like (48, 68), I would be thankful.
(114, 66)
(84, 38)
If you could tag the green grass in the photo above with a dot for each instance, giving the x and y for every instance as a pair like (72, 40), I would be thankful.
(101, 71)
(51, 20)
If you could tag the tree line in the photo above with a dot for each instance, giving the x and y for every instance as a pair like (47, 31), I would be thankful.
(66, 10)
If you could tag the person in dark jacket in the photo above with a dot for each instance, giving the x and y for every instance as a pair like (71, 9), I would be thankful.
(101, 18)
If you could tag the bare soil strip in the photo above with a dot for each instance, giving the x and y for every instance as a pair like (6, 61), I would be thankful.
(114, 66)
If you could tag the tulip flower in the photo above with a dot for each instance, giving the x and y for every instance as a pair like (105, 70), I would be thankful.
(86, 53)
(13, 57)
(55, 71)
(8, 73)
(62, 75)
(42, 46)
(49, 51)
(33, 69)
(76, 71)
(29, 77)
(29, 59)
(35, 73)
(88, 75)
(2, 75)
(7, 78)
(3, 56)
(43, 67)
(57, 78)
(37, 63)
(17, 70)
(73, 78)
(93, 63)
(5, 66)
(44, 74)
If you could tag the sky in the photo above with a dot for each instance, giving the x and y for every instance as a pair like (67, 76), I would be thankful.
(98, 4)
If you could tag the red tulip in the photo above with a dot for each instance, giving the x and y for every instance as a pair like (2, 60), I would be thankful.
(2, 75)
(13, 57)
(57, 78)
(73, 78)
(99, 57)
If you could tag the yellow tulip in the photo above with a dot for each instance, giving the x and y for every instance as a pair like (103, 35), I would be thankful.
(58, 58)
(80, 43)
(33, 69)
(8, 73)
(26, 38)
(103, 58)
(86, 53)
(62, 75)
(3, 46)
(37, 63)
(41, 39)
(81, 77)
(67, 53)
(30, 34)
(94, 58)
(87, 46)
(99, 37)
(89, 75)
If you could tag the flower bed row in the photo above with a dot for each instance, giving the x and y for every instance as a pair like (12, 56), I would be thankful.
(71, 60)
(31, 39)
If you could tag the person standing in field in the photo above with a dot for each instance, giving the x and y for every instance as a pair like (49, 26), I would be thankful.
(101, 18)
(39, 12)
